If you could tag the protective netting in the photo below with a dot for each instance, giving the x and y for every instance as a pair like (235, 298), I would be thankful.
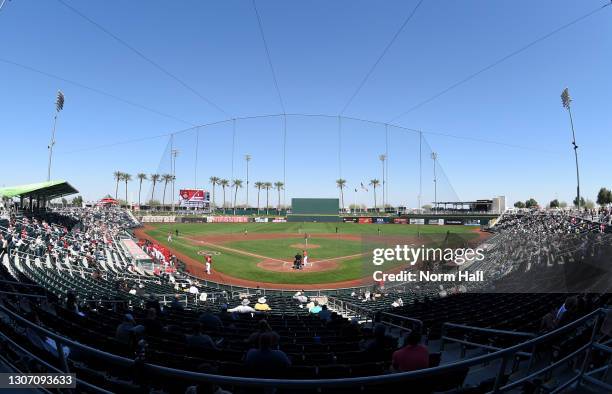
(381, 164)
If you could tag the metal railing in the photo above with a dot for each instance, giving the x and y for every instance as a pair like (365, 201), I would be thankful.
(504, 355)
(349, 309)
(488, 347)
(403, 323)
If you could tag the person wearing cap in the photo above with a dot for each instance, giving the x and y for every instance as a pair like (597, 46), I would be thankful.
(299, 296)
(243, 307)
(262, 305)
(124, 329)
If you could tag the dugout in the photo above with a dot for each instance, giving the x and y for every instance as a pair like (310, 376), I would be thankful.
(314, 210)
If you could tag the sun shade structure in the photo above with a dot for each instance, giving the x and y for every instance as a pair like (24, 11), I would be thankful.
(43, 190)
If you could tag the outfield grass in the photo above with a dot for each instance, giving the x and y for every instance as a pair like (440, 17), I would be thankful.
(245, 267)
(282, 249)
(343, 228)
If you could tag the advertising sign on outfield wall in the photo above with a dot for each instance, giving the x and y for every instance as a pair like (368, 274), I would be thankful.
(454, 221)
(417, 221)
(279, 220)
(158, 219)
(365, 220)
(261, 220)
(400, 221)
(439, 222)
(227, 219)
(349, 220)
(380, 220)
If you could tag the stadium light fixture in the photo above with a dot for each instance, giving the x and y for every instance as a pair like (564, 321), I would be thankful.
(566, 100)
(59, 105)
(174, 153)
(247, 159)
(434, 157)
(382, 159)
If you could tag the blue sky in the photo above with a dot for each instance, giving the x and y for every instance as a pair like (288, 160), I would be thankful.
(321, 51)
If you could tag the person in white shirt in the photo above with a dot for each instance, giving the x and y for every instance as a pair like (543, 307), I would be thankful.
(243, 308)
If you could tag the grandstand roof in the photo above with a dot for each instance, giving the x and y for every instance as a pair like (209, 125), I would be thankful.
(48, 190)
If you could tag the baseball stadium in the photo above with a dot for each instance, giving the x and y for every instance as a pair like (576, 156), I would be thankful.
(309, 197)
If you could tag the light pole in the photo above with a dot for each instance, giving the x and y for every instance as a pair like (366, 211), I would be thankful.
(434, 157)
(567, 101)
(59, 105)
(382, 159)
(247, 159)
(174, 153)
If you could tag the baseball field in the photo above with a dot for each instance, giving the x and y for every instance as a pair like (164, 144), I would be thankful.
(339, 254)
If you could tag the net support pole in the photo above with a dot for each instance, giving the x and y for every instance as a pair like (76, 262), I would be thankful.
(195, 167)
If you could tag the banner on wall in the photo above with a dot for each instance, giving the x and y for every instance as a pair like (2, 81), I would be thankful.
(349, 220)
(417, 221)
(454, 221)
(158, 219)
(365, 220)
(400, 221)
(380, 220)
(261, 220)
(439, 222)
(279, 220)
(227, 219)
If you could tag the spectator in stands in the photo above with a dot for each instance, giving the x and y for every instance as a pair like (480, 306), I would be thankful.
(397, 303)
(380, 345)
(200, 340)
(262, 328)
(71, 303)
(266, 362)
(412, 356)
(262, 305)
(176, 303)
(153, 302)
(325, 314)
(210, 321)
(152, 325)
(243, 307)
(300, 297)
(125, 329)
(549, 322)
(567, 311)
(314, 307)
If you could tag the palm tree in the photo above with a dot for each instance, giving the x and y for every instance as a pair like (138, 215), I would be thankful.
(141, 177)
(236, 184)
(374, 183)
(341, 183)
(126, 178)
(154, 178)
(214, 181)
(118, 176)
(223, 183)
(267, 186)
(258, 186)
(279, 186)
(165, 178)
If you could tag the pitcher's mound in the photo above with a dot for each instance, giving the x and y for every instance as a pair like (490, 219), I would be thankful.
(304, 246)
(287, 266)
